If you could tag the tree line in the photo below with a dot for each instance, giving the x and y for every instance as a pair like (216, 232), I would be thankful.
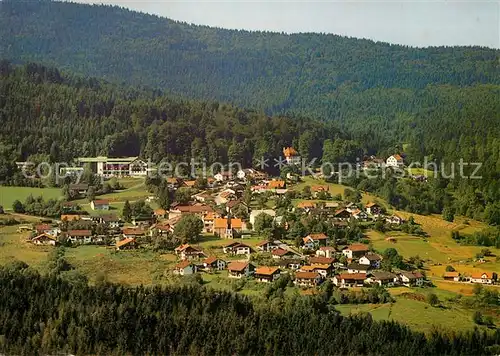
(48, 314)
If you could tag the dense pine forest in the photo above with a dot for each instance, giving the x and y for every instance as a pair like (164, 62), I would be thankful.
(47, 315)
(315, 74)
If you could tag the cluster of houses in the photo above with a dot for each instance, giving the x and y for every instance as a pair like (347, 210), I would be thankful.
(218, 207)
(479, 277)
(359, 268)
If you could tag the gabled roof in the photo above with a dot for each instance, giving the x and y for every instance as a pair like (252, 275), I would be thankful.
(210, 260)
(282, 252)
(186, 247)
(306, 204)
(237, 266)
(221, 223)
(327, 248)
(125, 242)
(412, 275)
(263, 243)
(381, 275)
(289, 152)
(183, 264)
(370, 205)
(342, 211)
(321, 260)
(479, 275)
(358, 266)
(39, 237)
(353, 276)
(319, 236)
(133, 231)
(193, 208)
(373, 257)
(451, 274)
(357, 247)
(267, 271)
(100, 202)
(306, 275)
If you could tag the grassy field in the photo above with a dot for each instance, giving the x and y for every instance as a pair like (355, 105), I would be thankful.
(132, 267)
(9, 194)
(421, 172)
(13, 246)
(334, 189)
(419, 315)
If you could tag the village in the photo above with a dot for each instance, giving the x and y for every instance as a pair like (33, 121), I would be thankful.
(226, 214)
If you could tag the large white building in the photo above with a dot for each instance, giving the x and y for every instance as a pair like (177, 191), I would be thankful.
(115, 167)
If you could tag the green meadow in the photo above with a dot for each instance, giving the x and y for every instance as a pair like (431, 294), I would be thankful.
(9, 194)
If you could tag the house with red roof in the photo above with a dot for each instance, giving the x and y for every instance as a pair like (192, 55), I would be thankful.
(240, 269)
(267, 274)
(307, 279)
(348, 280)
(185, 268)
(101, 204)
(214, 264)
(44, 239)
(314, 241)
(355, 250)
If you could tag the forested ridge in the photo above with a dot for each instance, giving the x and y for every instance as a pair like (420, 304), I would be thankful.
(47, 315)
(51, 116)
(314, 74)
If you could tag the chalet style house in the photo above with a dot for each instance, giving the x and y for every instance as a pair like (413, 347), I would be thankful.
(307, 279)
(484, 278)
(395, 161)
(355, 250)
(185, 268)
(292, 157)
(267, 274)
(44, 239)
(188, 252)
(240, 269)
(126, 244)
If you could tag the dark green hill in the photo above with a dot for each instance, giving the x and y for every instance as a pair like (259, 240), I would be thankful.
(310, 73)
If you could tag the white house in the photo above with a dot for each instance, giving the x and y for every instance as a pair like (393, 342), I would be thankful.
(185, 268)
(325, 251)
(394, 161)
(483, 278)
(214, 264)
(355, 250)
(409, 279)
(348, 280)
(240, 269)
(44, 239)
(385, 279)
(371, 259)
(99, 204)
(237, 248)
